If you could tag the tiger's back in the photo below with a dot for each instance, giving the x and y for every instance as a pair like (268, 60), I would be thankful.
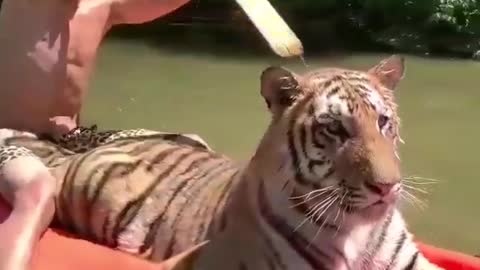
(147, 196)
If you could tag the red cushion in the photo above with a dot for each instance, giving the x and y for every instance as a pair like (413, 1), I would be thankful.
(60, 251)
(449, 259)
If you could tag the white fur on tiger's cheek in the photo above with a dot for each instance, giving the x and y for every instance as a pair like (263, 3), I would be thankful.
(377, 101)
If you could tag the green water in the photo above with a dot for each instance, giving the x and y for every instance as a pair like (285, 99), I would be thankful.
(218, 98)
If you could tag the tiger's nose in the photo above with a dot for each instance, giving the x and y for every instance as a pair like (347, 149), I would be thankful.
(381, 188)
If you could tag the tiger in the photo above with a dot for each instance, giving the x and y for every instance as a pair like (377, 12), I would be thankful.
(320, 192)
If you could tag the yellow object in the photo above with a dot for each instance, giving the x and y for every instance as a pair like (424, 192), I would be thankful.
(273, 28)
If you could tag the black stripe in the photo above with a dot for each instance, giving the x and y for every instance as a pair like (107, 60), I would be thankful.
(398, 246)
(330, 138)
(174, 137)
(333, 91)
(299, 177)
(208, 176)
(301, 246)
(92, 191)
(89, 211)
(152, 231)
(327, 84)
(329, 172)
(168, 251)
(301, 207)
(222, 222)
(299, 108)
(412, 262)
(154, 225)
(66, 191)
(314, 129)
(293, 153)
(128, 168)
(303, 140)
(315, 162)
(224, 195)
(131, 209)
(220, 218)
(380, 240)
(164, 154)
(142, 147)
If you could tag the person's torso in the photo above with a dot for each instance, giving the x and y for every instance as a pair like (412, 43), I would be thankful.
(47, 50)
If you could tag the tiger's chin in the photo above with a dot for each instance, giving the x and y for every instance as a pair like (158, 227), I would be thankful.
(377, 210)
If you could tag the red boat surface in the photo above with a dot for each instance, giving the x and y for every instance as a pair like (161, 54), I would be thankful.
(60, 251)
(57, 251)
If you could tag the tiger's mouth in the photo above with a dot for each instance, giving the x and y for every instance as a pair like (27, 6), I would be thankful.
(378, 202)
(386, 200)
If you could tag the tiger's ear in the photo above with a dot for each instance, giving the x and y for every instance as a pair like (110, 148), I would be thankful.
(279, 88)
(389, 71)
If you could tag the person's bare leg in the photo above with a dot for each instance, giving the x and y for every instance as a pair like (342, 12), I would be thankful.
(27, 184)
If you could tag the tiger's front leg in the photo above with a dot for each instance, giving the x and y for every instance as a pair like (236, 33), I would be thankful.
(29, 187)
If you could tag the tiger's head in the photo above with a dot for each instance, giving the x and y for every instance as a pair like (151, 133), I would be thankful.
(338, 130)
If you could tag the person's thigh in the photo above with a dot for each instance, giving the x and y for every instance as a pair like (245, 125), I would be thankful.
(59, 251)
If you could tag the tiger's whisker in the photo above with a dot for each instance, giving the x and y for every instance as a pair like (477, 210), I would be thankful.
(318, 216)
(313, 192)
(318, 231)
(421, 178)
(422, 205)
(324, 221)
(321, 204)
(415, 188)
(315, 208)
(418, 183)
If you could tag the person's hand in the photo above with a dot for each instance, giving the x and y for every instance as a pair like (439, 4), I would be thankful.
(60, 125)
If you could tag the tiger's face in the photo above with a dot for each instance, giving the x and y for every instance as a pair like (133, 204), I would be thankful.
(341, 130)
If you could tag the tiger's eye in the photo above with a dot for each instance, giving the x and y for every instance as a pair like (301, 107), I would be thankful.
(335, 125)
(382, 121)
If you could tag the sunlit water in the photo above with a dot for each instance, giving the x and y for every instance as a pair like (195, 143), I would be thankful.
(218, 98)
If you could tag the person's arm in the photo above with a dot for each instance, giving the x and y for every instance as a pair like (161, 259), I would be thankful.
(273, 28)
(141, 11)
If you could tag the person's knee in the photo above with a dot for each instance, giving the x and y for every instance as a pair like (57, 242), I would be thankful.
(27, 179)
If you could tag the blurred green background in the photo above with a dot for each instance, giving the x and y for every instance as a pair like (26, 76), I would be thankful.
(197, 70)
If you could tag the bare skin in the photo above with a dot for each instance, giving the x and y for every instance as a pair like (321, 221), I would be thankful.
(47, 59)
(48, 50)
